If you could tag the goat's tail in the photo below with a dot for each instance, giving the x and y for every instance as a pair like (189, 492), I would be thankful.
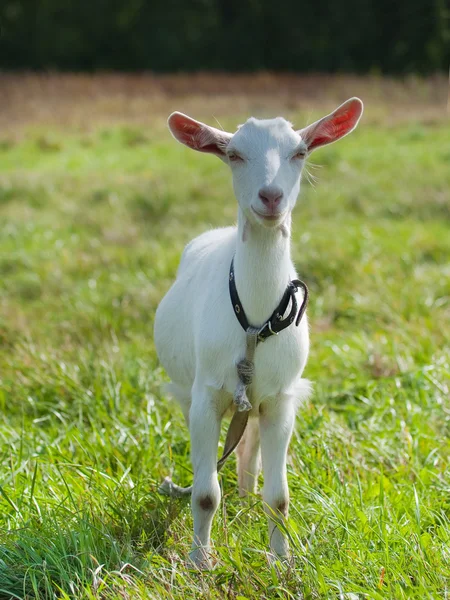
(234, 436)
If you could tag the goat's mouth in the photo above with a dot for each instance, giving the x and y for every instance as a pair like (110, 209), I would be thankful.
(269, 217)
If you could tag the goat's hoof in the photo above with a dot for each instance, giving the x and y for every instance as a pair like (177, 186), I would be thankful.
(166, 487)
(200, 559)
(279, 561)
(169, 488)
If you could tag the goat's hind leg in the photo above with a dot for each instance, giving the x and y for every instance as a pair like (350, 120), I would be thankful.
(249, 459)
(183, 397)
(204, 426)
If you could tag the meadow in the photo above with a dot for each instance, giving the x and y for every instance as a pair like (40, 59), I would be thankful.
(96, 204)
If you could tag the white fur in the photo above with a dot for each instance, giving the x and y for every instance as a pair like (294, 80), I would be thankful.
(198, 337)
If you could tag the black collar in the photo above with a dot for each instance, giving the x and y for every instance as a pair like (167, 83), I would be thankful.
(275, 323)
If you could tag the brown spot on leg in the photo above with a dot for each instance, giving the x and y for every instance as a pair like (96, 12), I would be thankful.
(282, 507)
(206, 502)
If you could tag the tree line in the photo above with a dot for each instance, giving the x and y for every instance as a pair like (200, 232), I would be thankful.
(228, 35)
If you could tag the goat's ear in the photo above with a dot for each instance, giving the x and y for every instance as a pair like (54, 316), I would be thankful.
(334, 126)
(198, 136)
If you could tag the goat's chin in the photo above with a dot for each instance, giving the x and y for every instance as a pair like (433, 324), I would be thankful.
(268, 221)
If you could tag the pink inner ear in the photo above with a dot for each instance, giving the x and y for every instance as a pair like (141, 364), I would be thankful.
(334, 126)
(185, 130)
(196, 135)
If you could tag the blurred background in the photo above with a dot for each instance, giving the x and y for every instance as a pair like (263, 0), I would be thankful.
(408, 36)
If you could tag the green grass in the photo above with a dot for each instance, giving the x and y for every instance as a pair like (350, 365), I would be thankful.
(92, 225)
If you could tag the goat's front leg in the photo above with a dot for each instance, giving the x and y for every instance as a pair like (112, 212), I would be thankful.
(277, 418)
(204, 425)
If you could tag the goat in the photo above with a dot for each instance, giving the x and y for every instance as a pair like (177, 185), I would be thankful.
(199, 339)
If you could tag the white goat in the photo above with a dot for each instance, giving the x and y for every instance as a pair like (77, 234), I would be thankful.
(198, 336)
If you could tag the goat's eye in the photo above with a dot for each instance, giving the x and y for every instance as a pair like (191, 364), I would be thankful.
(234, 157)
(300, 155)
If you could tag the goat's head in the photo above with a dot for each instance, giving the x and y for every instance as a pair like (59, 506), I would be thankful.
(266, 157)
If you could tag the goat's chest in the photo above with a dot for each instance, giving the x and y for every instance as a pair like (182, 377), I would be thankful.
(220, 344)
(279, 361)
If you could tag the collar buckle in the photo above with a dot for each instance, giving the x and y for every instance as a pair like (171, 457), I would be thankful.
(267, 327)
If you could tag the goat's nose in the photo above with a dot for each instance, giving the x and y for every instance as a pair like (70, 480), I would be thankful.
(270, 196)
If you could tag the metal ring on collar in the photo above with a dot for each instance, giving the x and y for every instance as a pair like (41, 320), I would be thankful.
(269, 323)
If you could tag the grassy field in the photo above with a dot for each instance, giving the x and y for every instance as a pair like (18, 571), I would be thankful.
(96, 204)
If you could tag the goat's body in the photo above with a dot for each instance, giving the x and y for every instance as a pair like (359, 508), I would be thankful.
(198, 336)
(200, 341)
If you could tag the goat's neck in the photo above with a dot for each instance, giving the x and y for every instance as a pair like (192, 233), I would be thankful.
(262, 266)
